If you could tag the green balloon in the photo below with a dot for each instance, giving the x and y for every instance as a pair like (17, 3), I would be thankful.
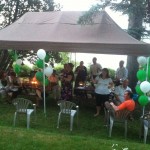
(141, 75)
(143, 100)
(46, 82)
(138, 90)
(39, 63)
(17, 69)
(47, 58)
(39, 76)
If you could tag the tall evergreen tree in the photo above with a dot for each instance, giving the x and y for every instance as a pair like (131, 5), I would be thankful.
(139, 13)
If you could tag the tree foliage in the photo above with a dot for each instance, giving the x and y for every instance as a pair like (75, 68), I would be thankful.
(139, 14)
(137, 10)
(10, 11)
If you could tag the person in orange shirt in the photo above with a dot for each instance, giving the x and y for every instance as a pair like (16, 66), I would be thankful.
(128, 104)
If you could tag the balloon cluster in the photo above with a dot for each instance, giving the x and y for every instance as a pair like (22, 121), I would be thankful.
(143, 75)
(43, 57)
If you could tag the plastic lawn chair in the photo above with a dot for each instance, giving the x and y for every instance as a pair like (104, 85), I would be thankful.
(66, 108)
(22, 107)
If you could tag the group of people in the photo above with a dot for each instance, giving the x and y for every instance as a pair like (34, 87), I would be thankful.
(102, 82)
(99, 77)
(63, 91)
(104, 85)
(10, 85)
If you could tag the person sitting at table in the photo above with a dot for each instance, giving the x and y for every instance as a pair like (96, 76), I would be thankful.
(102, 89)
(121, 73)
(40, 94)
(120, 90)
(67, 83)
(3, 83)
(15, 86)
(54, 85)
(81, 72)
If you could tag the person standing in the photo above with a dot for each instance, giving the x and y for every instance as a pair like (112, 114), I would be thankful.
(95, 69)
(121, 73)
(67, 83)
(54, 85)
(102, 89)
(81, 71)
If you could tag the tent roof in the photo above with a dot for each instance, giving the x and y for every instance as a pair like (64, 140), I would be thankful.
(59, 31)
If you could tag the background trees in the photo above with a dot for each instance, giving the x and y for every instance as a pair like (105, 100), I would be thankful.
(138, 12)
(10, 11)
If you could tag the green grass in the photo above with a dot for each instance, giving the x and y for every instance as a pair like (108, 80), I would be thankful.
(90, 134)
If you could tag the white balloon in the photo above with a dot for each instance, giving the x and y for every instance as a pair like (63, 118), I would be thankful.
(142, 60)
(41, 54)
(18, 61)
(48, 71)
(145, 86)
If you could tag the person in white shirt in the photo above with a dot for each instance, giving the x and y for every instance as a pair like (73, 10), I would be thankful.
(120, 90)
(102, 89)
(95, 69)
(121, 72)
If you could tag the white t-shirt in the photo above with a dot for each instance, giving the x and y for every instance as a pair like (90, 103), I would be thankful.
(122, 73)
(95, 69)
(120, 90)
(102, 85)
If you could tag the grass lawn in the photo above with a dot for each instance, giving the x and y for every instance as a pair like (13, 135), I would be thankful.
(90, 134)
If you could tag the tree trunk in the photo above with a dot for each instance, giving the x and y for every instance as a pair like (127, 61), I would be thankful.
(5, 60)
(132, 67)
(16, 11)
(135, 29)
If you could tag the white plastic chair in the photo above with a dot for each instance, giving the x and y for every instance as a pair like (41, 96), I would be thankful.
(145, 125)
(66, 108)
(22, 107)
(120, 116)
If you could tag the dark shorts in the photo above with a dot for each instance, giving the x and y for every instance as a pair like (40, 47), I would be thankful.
(101, 99)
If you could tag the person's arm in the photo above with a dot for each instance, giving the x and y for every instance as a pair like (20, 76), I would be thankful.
(116, 75)
(99, 69)
(91, 72)
(117, 97)
(117, 94)
(85, 71)
(125, 74)
(76, 70)
(110, 83)
(114, 106)
(69, 78)
(95, 81)
(123, 105)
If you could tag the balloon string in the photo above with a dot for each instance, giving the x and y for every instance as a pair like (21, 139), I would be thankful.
(147, 69)
(146, 80)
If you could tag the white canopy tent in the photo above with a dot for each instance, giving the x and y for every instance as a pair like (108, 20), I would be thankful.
(59, 31)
